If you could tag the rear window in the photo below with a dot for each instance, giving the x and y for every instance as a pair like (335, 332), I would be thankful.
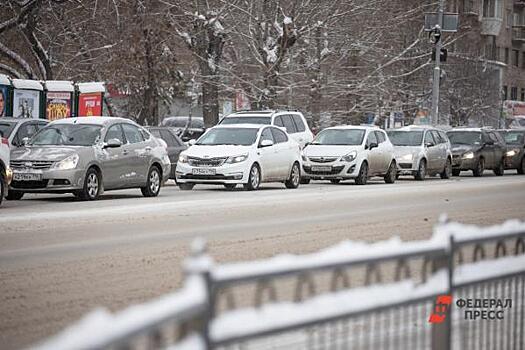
(288, 124)
(6, 129)
(182, 122)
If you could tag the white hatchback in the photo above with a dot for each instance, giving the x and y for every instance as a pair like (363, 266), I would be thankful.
(5, 171)
(349, 152)
(240, 154)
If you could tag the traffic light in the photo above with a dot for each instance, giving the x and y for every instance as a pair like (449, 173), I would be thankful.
(442, 56)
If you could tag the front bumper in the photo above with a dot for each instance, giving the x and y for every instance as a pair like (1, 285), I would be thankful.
(406, 168)
(8, 175)
(513, 162)
(225, 174)
(459, 163)
(328, 171)
(53, 181)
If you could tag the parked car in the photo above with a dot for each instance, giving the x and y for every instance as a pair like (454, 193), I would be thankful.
(477, 149)
(244, 154)
(16, 130)
(173, 143)
(5, 170)
(422, 151)
(293, 121)
(86, 156)
(349, 152)
(185, 129)
(515, 155)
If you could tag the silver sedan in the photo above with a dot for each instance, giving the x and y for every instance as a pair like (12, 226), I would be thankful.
(88, 155)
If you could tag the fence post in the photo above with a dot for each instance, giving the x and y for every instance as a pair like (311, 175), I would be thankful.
(199, 264)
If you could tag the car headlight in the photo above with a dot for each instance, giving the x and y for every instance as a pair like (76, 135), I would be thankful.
(237, 159)
(513, 152)
(68, 163)
(303, 157)
(468, 155)
(183, 158)
(350, 157)
(407, 157)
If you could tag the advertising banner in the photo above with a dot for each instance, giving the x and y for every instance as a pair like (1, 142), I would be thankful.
(3, 100)
(26, 104)
(58, 105)
(90, 104)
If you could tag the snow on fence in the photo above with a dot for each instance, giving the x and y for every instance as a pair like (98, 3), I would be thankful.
(353, 295)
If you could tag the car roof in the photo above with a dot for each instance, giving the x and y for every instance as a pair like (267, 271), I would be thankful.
(20, 120)
(241, 126)
(93, 120)
(470, 129)
(182, 117)
(350, 127)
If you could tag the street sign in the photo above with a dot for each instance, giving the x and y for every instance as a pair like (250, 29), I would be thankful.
(450, 22)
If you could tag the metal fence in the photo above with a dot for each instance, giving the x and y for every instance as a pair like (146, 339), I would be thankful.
(351, 296)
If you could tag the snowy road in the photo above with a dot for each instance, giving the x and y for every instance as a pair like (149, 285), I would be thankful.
(60, 258)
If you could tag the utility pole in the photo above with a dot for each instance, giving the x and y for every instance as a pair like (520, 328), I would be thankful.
(434, 117)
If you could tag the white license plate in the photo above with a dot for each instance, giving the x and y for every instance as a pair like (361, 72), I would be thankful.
(27, 177)
(321, 168)
(203, 171)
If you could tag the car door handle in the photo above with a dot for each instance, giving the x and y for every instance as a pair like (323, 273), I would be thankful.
(125, 152)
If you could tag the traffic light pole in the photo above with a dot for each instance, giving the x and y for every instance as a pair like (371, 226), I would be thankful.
(434, 118)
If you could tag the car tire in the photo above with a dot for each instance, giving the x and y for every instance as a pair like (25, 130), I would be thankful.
(14, 195)
(456, 172)
(335, 181)
(186, 186)
(92, 185)
(421, 172)
(521, 169)
(304, 181)
(499, 170)
(362, 177)
(447, 171)
(295, 177)
(254, 180)
(480, 168)
(2, 187)
(230, 186)
(153, 184)
(390, 176)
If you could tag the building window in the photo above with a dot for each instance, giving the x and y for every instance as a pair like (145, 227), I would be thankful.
(515, 58)
(468, 6)
(514, 93)
(522, 94)
(505, 92)
(506, 56)
(492, 9)
(509, 19)
(523, 60)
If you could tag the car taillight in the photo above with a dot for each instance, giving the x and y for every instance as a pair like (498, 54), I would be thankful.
(5, 141)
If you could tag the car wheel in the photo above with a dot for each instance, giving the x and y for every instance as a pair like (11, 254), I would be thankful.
(480, 168)
(152, 187)
(456, 172)
(187, 186)
(254, 180)
(362, 177)
(447, 172)
(521, 169)
(304, 181)
(500, 169)
(390, 176)
(230, 186)
(295, 177)
(14, 195)
(421, 171)
(335, 181)
(91, 188)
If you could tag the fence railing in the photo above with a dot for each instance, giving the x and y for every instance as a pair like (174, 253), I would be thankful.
(351, 296)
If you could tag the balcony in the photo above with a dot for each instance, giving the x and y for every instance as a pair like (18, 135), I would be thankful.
(518, 34)
(491, 25)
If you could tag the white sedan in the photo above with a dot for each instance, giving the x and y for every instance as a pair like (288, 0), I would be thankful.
(240, 154)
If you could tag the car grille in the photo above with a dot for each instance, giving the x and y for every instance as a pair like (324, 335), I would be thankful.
(29, 184)
(31, 164)
(206, 162)
(322, 159)
(405, 165)
(335, 170)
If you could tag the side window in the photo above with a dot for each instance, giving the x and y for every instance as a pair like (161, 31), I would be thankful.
(371, 138)
(288, 124)
(437, 137)
(279, 136)
(485, 137)
(299, 124)
(380, 137)
(132, 133)
(279, 121)
(493, 137)
(170, 140)
(41, 126)
(443, 136)
(26, 130)
(429, 138)
(266, 135)
(114, 132)
(145, 134)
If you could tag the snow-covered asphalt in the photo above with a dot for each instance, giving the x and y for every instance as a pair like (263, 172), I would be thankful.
(60, 258)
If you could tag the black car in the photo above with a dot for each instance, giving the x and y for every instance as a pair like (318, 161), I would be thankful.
(174, 143)
(477, 149)
(185, 128)
(515, 155)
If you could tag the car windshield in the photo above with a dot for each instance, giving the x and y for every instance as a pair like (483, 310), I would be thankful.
(405, 138)
(6, 128)
(181, 122)
(229, 136)
(514, 137)
(67, 135)
(464, 137)
(340, 137)
(247, 120)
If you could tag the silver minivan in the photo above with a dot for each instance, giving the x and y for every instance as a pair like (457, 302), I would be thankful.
(422, 151)
(88, 155)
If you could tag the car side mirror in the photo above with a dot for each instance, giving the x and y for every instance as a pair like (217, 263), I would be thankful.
(113, 143)
(25, 141)
(372, 145)
(192, 142)
(429, 144)
(489, 142)
(266, 143)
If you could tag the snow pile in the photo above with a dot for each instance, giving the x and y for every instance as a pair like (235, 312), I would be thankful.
(191, 342)
(85, 88)
(27, 84)
(464, 233)
(4, 80)
(100, 328)
(488, 269)
(244, 322)
(59, 85)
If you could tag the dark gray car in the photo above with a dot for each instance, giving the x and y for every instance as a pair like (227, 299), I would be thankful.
(515, 155)
(173, 142)
(88, 155)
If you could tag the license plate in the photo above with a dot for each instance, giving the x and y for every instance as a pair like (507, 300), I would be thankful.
(321, 168)
(203, 171)
(27, 177)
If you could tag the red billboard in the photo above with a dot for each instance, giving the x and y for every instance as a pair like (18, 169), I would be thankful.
(58, 105)
(90, 104)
